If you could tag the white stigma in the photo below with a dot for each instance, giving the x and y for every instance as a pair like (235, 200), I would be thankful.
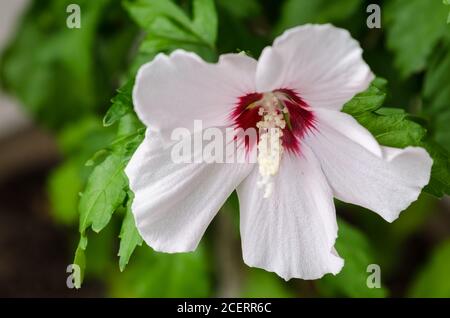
(270, 147)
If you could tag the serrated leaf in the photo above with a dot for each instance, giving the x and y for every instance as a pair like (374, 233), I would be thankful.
(392, 129)
(104, 193)
(413, 26)
(390, 126)
(369, 100)
(122, 104)
(129, 236)
(354, 247)
(77, 142)
(130, 134)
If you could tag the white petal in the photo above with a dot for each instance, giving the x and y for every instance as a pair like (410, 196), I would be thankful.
(350, 128)
(173, 91)
(175, 202)
(291, 233)
(321, 62)
(386, 182)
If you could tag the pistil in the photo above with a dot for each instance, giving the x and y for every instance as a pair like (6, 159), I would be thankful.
(282, 119)
(270, 146)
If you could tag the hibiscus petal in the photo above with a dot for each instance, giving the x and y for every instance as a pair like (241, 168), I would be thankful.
(291, 233)
(385, 182)
(173, 91)
(322, 63)
(175, 202)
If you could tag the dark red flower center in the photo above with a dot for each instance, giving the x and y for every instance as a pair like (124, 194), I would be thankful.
(298, 116)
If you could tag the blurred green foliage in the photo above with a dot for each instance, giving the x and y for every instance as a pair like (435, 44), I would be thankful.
(430, 281)
(416, 27)
(164, 275)
(355, 249)
(61, 75)
(66, 77)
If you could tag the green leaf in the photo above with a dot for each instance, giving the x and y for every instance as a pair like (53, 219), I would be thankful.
(440, 173)
(98, 157)
(146, 12)
(431, 281)
(130, 134)
(168, 27)
(392, 129)
(80, 258)
(436, 94)
(369, 100)
(164, 19)
(122, 104)
(355, 249)
(129, 236)
(390, 126)
(76, 142)
(205, 20)
(98, 256)
(104, 193)
(297, 12)
(129, 124)
(413, 29)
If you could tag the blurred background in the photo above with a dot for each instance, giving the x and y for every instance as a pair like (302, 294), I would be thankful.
(57, 84)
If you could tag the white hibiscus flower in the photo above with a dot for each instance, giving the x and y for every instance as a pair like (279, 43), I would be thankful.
(297, 87)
